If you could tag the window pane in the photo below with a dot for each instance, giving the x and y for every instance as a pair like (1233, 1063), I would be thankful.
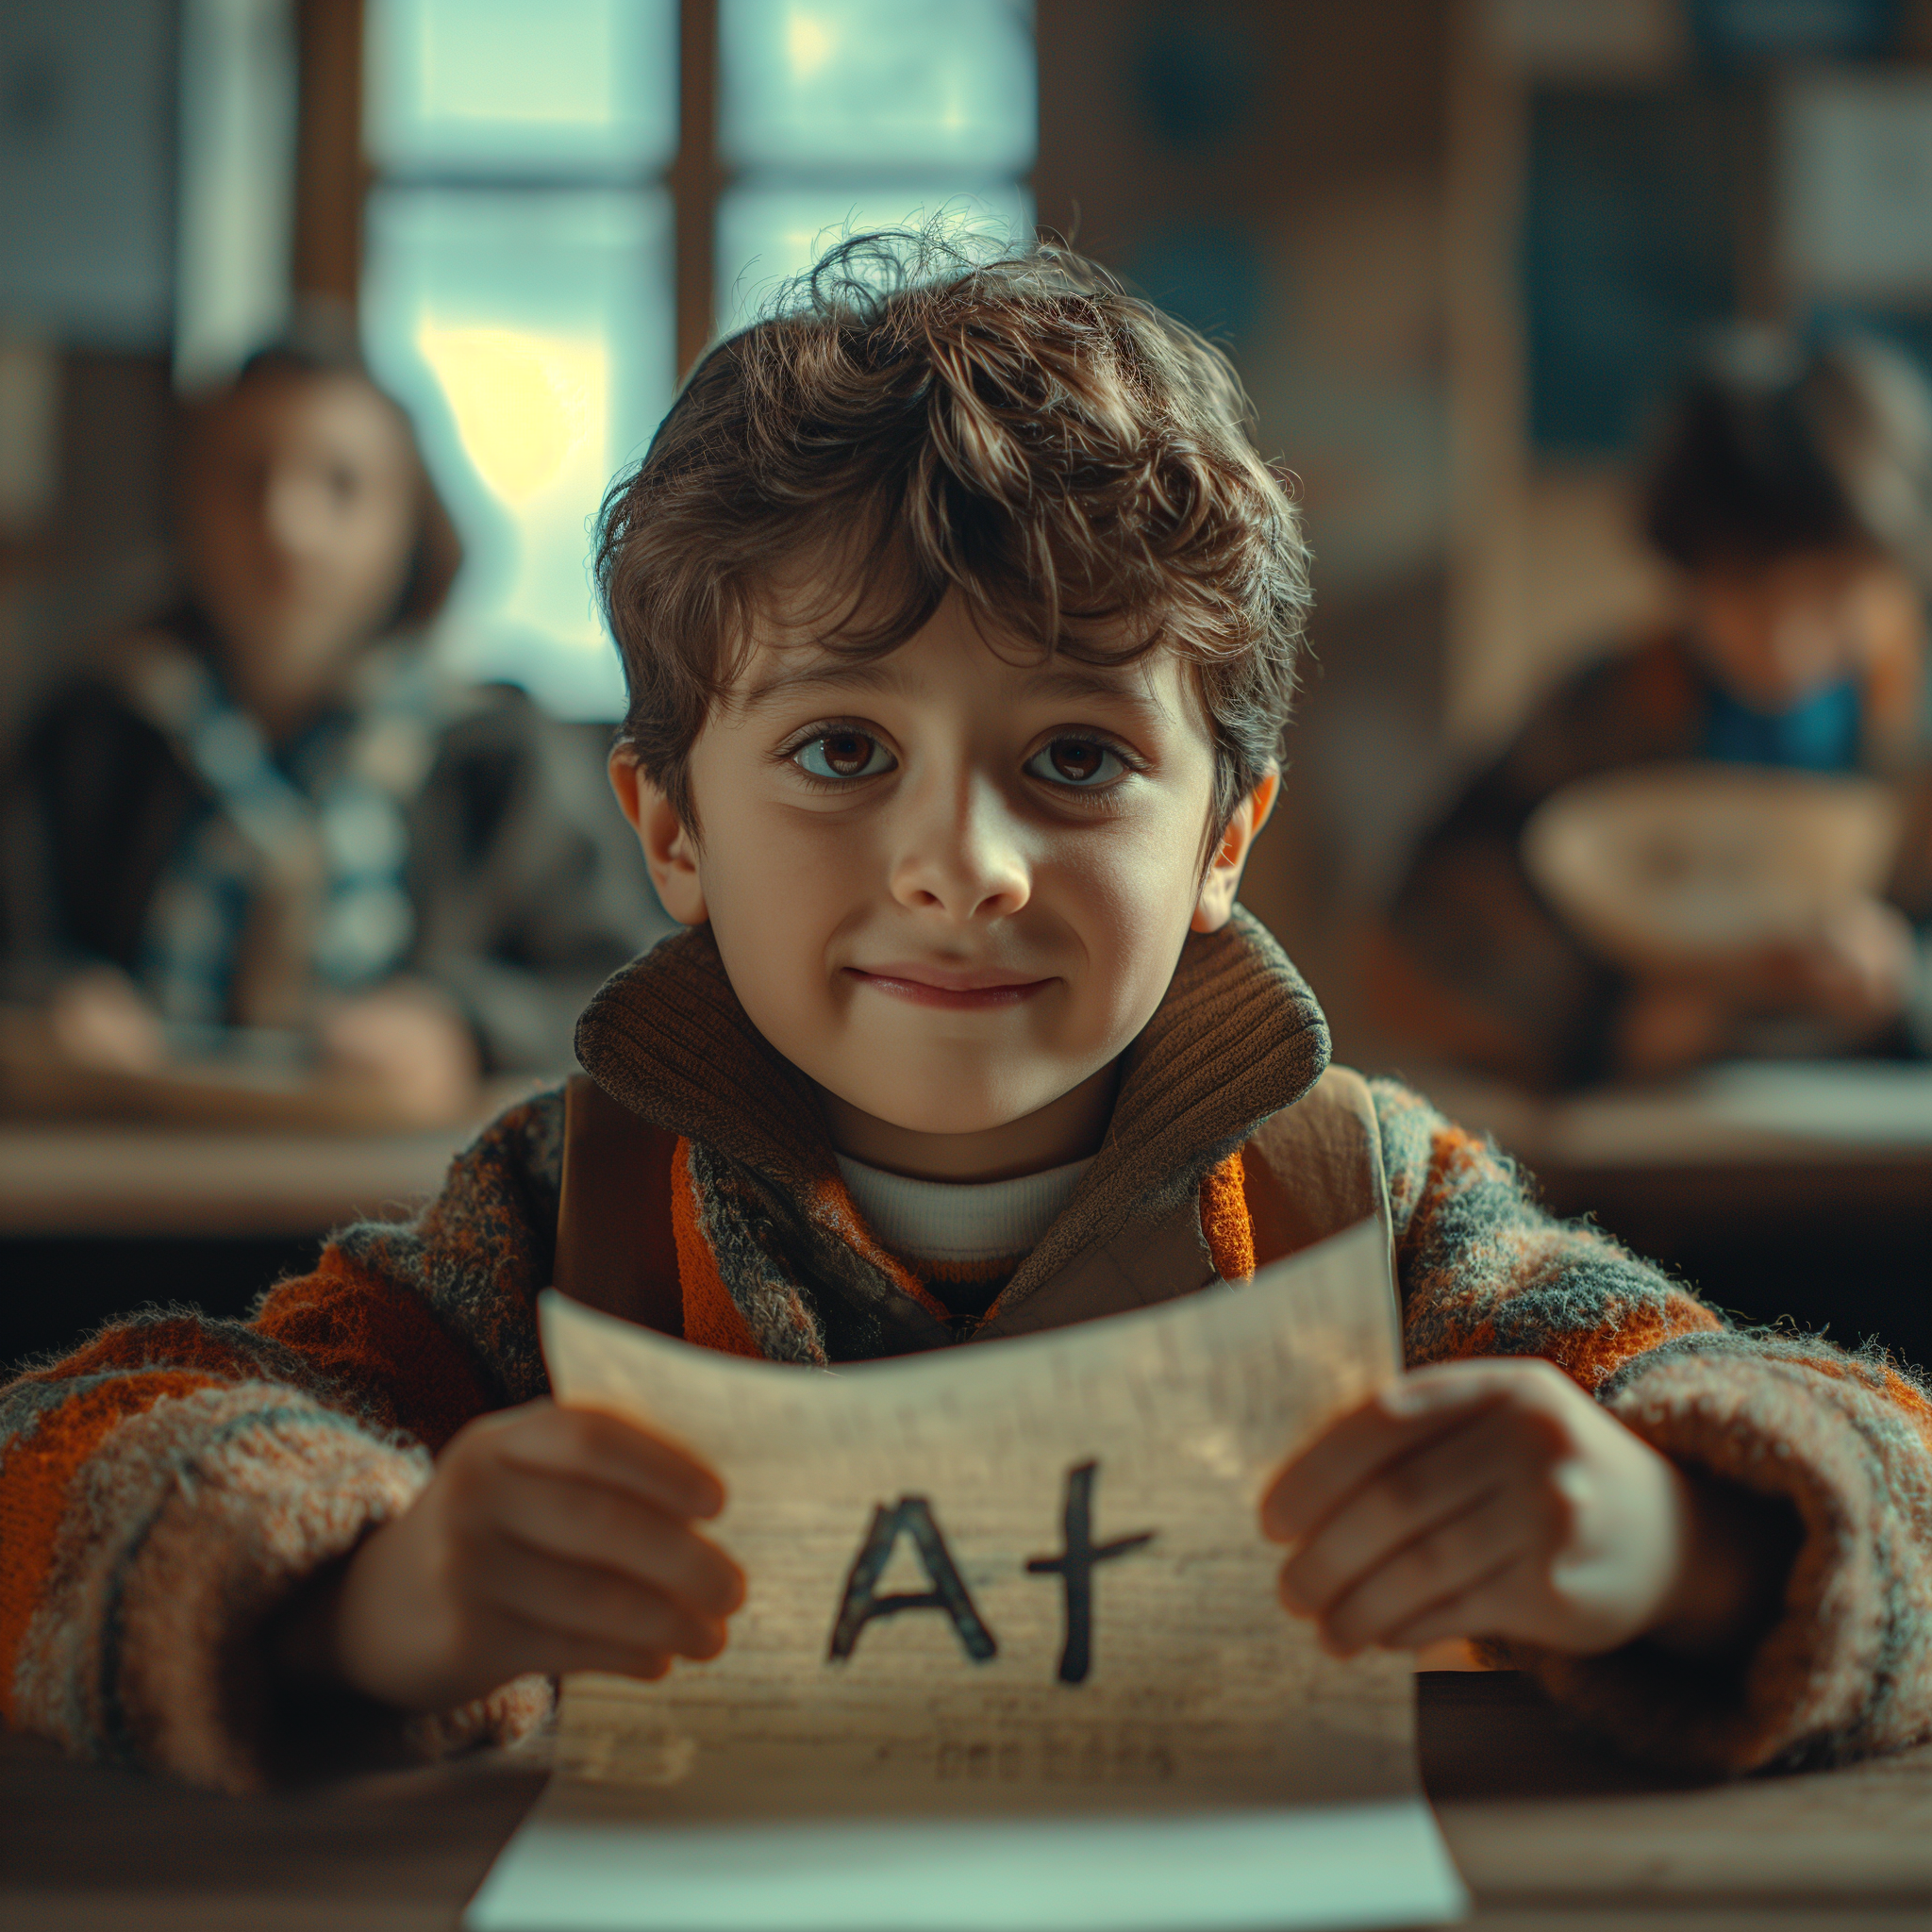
(531, 337)
(842, 85)
(766, 233)
(506, 86)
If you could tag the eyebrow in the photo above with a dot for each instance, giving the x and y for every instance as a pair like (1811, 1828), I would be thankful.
(876, 673)
(1075, 680)
(1058, 679)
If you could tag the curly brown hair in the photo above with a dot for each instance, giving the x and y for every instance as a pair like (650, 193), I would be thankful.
(1773, 450)
(1010, 425)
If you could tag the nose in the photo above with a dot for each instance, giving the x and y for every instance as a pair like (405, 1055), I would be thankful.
(1805, 646)
(290, 512)
(962, 852)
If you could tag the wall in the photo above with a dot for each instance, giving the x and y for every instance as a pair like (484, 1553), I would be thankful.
(87, 209)
(1275, 176)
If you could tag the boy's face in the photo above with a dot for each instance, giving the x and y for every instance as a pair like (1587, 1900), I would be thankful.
(1780, 633)
(949, 888)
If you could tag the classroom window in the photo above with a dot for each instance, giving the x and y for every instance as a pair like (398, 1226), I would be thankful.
(521, 257)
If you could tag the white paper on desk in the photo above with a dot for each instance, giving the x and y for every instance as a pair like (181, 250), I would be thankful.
(1858, 1103)
(953, 1764)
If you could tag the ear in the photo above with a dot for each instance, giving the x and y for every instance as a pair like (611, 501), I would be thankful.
(670, 851)
(1216, 902)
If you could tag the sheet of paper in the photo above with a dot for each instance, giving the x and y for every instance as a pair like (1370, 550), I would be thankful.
(1861, 1103)
(1007, 1603)
(585, 1863)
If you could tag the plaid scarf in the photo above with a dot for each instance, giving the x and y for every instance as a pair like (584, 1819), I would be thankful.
(291, 879)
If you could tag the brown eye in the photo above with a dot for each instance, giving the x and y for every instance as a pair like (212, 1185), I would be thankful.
(1082, 763)
(843, 754)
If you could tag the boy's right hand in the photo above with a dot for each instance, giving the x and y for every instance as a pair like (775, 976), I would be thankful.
(548, 1540)
(1853, 976)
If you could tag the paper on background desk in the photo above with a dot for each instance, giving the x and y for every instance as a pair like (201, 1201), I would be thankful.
(1011, 1656)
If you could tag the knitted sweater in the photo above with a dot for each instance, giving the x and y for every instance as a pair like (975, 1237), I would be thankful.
(523, 884)
(167, 1486)
(964, 1240)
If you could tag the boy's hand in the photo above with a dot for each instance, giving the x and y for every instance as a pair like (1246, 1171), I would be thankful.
(409, 1044)
(1853, 976)
(1496, 1499)
(548, 1540)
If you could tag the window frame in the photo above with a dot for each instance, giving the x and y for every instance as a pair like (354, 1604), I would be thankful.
(337, 177)
(334, 174)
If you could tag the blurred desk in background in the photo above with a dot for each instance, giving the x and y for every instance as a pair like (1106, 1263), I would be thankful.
(93, 1178)
(1799, 1189)
(97, 1217)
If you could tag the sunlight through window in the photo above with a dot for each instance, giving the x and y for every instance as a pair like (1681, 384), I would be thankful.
(522, 253)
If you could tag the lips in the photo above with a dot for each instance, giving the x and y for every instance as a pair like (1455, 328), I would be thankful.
(957, 988)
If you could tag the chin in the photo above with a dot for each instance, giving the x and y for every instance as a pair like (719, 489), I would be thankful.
(928, 1119)
(942, 1108)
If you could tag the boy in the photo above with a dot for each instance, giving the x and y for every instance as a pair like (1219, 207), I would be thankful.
(1793, 496)
(958, 618)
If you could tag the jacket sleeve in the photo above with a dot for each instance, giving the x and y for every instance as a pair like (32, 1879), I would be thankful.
(529, 888)
(1845, 1668)
(91, 809)
(1468, 919)
(166, 1489)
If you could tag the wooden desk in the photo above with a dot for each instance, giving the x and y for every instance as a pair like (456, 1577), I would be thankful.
(102, 1178)
(1549, 1832)
(98, 1216)
(1830, 1129)
(1810, 1138)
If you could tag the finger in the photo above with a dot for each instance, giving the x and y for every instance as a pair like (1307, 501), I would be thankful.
(1402, 1500)
(581, 1600)
(1495, 1605)
(1452, 1559)
(514, 1647)
(597, 1525)
(1411, 1411)
(586, 1653)
(590, 1442)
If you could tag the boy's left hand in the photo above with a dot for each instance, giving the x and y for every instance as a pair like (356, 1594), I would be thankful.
(411, 1044)
(1496, 1499)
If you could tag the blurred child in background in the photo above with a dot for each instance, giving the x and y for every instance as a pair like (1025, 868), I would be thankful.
(271, 810)
(1793, 495)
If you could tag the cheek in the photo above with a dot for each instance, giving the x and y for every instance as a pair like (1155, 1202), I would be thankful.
(786, 871)
(776, 890)
(373, 553)
(1134, 898)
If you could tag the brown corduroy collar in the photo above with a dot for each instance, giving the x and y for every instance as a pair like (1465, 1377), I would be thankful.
(1237, 1035)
